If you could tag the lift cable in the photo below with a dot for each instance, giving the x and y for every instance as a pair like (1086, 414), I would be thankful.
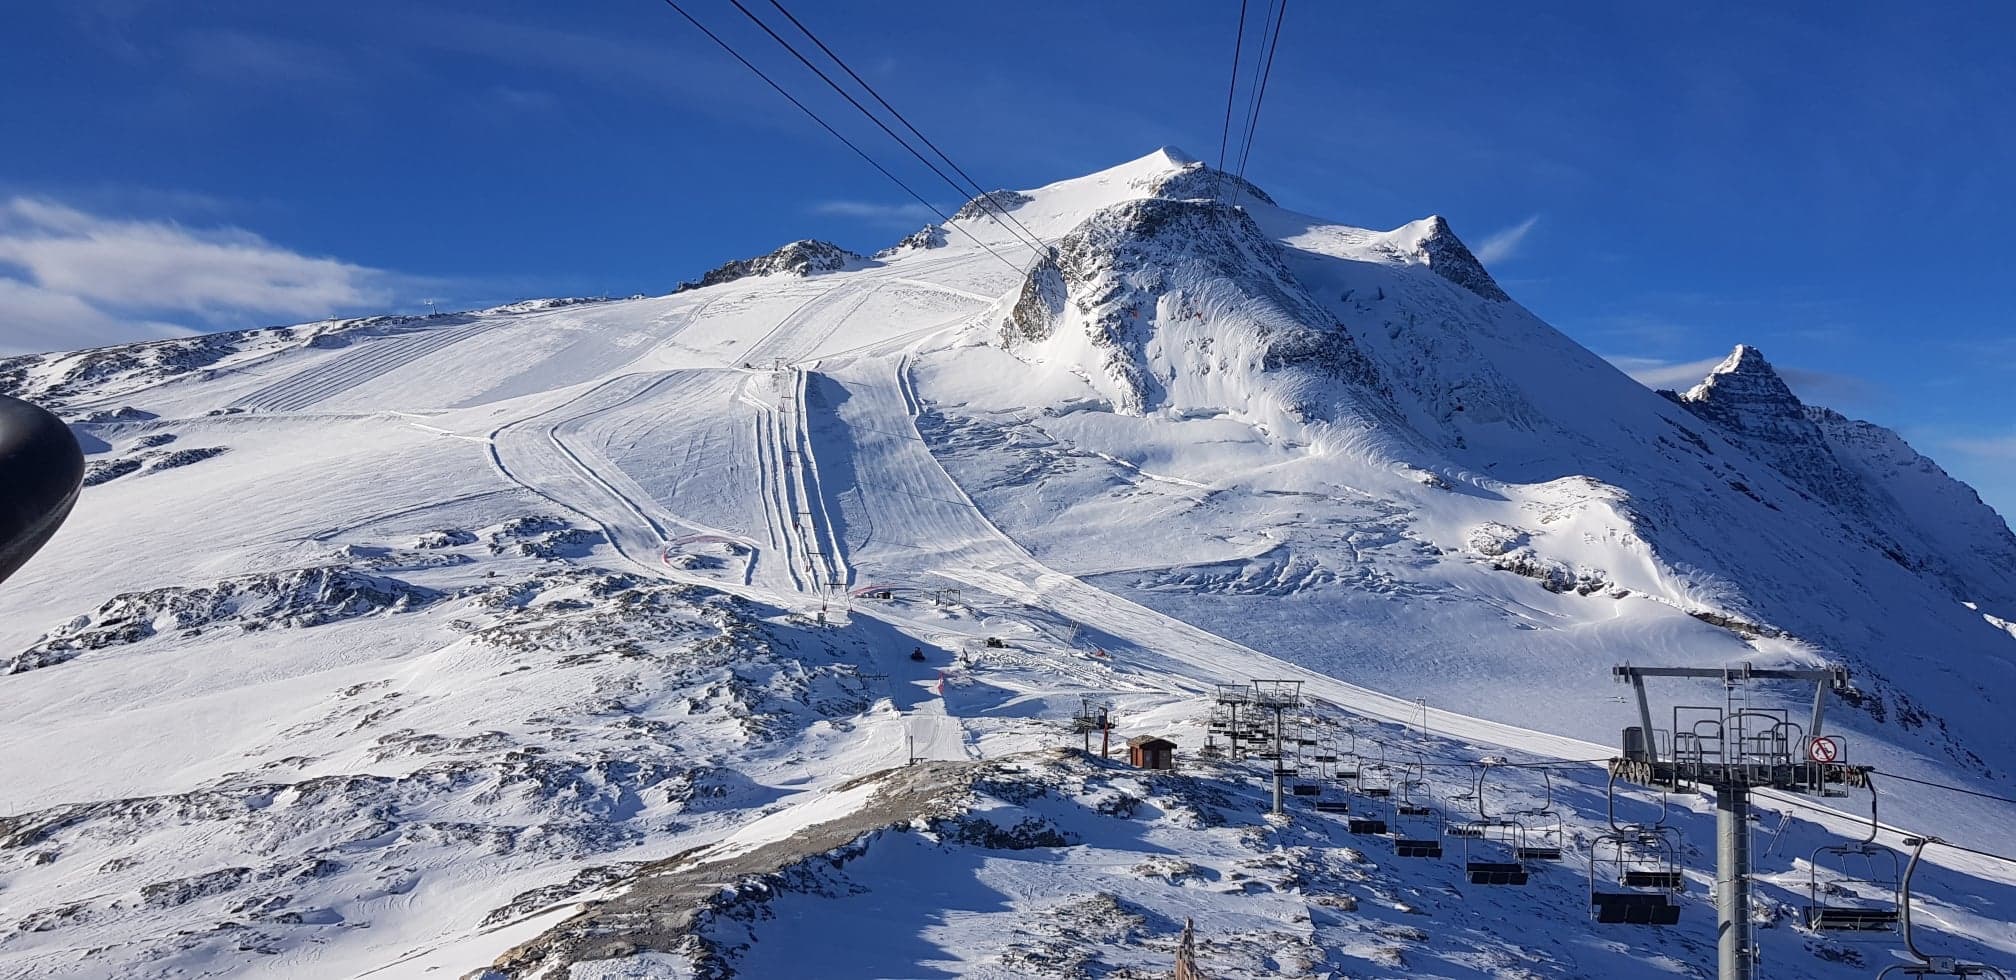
(1231, 87)
(986, 203)
(823, 124)
(1260, 96)
(1793, 802)
(1950, 789)
(978, 190)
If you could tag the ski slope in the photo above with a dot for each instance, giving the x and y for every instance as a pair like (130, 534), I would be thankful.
(594, 588)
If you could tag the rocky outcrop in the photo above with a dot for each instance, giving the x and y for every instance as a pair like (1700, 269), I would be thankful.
(800, 258)
(1197, 181)
(291, 599)
(1433, 244)
(991, 204)
(1748, 401)
(927, 237)
(1187, 305)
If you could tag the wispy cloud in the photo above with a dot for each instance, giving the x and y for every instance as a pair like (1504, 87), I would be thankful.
(1828, 388)
(896, 215)
(1991, 447)
(70, 278)
(1503, 244)
(1653, 372)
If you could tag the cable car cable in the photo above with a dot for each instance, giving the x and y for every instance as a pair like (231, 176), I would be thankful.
(1950, 789)
(823, 124)
(877, 120)
(1231, 88)
(1259, 97)
(978, 189)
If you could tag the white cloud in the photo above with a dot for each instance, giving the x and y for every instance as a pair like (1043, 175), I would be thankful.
(1992, 447)
(904, 215)
(69, 278)
(33, 319)
(1812, 387)
(1653, 372)
(1501, 245)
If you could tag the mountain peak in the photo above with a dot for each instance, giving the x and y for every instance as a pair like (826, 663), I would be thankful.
(1745, 359)
(1432, 242)
(1743, 376)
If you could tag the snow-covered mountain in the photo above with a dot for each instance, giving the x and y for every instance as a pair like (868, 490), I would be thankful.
(575, 638)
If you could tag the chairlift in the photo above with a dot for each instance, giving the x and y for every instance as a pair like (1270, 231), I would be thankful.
(1487, 838)
(1928, 965)
(1543, 828)
(1377, 779)
(1634, 871)
(1842, 875)
(1418, 827)
(1377, 788)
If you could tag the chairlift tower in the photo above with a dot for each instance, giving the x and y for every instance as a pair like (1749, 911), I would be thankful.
(1232, 697)
(1280, 697)
(1094, 715)
(1732, 749)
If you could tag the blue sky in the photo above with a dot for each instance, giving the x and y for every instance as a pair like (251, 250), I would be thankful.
(1829, 184)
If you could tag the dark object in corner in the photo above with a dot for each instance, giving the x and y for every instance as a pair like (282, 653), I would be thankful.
(41, 471)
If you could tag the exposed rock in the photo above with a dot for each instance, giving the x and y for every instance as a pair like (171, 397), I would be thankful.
(291, 599)
(1198, 181)
(927, 237)
(1746, 399)
(1111, 280)
(799, 258)
(1436, 246)
(991, 204)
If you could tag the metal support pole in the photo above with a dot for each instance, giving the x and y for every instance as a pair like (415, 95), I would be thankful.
(1645, 720)
(1819, 705)
(1278, 759)
(1732, 881)
(1233, 736)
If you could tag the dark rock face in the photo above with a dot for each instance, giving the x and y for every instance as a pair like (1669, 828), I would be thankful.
(1449, 258)
(927, 237)
(990, 204)
(800, 258)
(1745, 398)
(1200, 182)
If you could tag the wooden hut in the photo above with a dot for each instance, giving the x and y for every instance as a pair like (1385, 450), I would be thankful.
(1151, 752)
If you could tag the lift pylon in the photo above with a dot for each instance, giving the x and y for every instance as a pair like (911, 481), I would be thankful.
(1730, 749)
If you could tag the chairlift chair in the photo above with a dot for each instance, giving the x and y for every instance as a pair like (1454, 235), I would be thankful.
(1489, 840)
(1634, 874)
(1928, 964)
(1486, 839)
(1377, 788)
(1418, 827)
(1835, 903)
(1634, 870)
(1543, 829)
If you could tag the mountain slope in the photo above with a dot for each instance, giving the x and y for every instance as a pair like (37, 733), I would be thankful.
(582, 638)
